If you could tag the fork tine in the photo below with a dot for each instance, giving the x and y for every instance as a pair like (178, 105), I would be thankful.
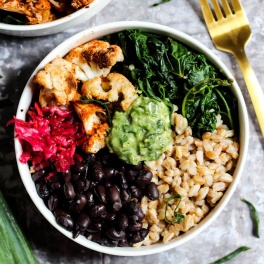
(226, 8)
(236, 5)
(207, 13)
(217, 9)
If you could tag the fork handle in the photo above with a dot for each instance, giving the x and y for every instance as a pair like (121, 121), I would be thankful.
(253, 86)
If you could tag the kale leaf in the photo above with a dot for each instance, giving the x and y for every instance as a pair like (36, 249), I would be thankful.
(12, 18)
(165, 69)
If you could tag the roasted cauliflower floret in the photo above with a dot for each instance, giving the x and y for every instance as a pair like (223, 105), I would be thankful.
(95, 58)
(36, 11)
(58, 82)
(76, 4)
(95, 125)
(115, 87)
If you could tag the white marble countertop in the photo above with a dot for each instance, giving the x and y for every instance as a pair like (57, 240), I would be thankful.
(231, 229)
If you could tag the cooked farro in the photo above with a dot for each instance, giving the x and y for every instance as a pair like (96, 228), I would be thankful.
(200, 170)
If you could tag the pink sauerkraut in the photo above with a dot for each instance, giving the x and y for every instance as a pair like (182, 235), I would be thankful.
(49, 136)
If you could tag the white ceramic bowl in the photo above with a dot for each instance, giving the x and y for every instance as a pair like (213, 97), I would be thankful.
(100, 31)
(55, 26)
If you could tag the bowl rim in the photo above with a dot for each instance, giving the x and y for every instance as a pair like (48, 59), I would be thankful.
(99, 31)
(55, 23)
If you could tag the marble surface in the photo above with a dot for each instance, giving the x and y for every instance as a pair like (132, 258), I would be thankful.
(232, 228)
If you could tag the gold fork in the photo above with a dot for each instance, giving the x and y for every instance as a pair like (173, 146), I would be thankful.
(230, 32)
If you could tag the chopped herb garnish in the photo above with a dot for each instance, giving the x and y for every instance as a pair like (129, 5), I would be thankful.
(231, 255)
(100, 103)
(161, 2)
(178, 217)
(255, 218)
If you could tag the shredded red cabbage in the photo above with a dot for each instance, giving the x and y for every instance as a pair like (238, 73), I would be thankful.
(51, 134)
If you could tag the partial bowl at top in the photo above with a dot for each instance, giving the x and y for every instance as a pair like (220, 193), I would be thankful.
(99, 32)
(58, 25)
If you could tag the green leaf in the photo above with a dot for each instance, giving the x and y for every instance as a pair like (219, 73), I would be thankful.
(12, 18)
(178, 217)
(161, 2)
(201, 106)
(100, 103)
(14, 247)
(163, 68)
(231, 255)
(254, 216)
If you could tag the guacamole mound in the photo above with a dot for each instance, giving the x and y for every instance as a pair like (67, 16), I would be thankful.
(142, 132)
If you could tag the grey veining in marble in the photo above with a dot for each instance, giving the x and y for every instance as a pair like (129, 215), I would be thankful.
(231, 229)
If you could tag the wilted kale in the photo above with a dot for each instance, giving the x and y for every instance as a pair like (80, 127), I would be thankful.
(12, 18)
(164, 69)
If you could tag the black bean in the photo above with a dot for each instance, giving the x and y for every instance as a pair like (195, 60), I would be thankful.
(135, 227)
(152, 191)
(55, 186)
(85, 172)
(79, 166)
(134, 209)
(53, 202)
(79, 203)
(122, 222)
(97, 172)
(117, 206)
(67, 176)
(42, 189)
(137, 167)
(83, 221)
(114, 197)
(94, 227)
(101, 193)
(134, 237)
(65, 221)
(109, 172)
(106, 158)
(121, 167)
(108, 217)
(107, 184)
(91, 157)
(144, 177)
(38, 174)
(96, 237)
(115, 234)
(68, 191)
(136, 192)
(90, 198)
(75, 177)
(131, 175)
(123, 242)
(59, 212)
(55, 178)
(110, 243)
(87, 185)
(143, 232)
(122, 180)
(114, 194)
(134, 219)
(79, 185)
(75, 233)
(125, 196)
(97, 210)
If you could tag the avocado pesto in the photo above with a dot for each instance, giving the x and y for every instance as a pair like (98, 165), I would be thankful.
(142, 132)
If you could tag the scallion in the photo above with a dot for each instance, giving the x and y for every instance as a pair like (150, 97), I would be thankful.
(231, 255)
(178, 217)
(255, 218)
